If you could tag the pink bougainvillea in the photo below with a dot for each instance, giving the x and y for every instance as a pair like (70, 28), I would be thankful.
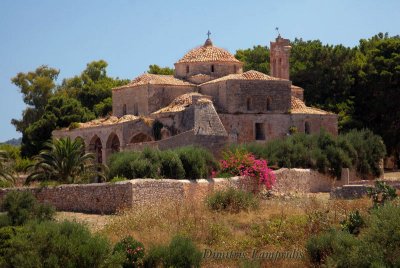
(243, 163)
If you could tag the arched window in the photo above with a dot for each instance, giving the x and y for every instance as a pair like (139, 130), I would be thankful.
(212, 68)
(96, 147)
(307, 128)
(269, 104)
(248, 104)
(187, 69)
(113, 143)
(124, 110)
(141, 137)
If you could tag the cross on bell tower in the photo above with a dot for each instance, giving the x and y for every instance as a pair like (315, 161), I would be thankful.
(208, 34)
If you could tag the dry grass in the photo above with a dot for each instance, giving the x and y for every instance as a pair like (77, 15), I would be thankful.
(278, 225)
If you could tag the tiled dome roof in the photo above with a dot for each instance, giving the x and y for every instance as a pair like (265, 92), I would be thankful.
(155, 79)
(249, 75)
(299, 107)
(208, 53)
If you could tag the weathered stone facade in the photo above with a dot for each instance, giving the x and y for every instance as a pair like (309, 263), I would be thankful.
(209, 101)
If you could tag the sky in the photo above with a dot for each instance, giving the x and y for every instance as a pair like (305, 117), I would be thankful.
(130, 35)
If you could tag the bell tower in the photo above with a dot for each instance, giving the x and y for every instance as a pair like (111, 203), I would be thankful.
(279, 57)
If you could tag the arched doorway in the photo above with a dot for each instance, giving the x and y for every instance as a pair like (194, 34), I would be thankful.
(97, 148)
(113, 143)
(141, 137)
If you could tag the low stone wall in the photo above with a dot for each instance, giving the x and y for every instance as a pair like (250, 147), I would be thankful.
(110, 197)
(303, 181)
(103, 198)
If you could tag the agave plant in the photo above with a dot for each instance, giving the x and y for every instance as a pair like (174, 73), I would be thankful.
(64, 161)
(6, 173)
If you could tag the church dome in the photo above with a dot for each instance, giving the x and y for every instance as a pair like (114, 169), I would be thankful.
(208, 53)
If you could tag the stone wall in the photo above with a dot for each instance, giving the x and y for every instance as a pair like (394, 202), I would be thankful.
(102, 198)
(212, 69)
(241, 127)
(110, 197)
(303, 181)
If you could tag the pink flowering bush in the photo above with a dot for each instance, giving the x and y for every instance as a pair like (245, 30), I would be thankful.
(242, 163)
(133, 251)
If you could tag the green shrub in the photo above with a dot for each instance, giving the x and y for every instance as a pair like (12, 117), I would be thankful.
(353, 223)
(359, 149)
(51, 244)
(185, 162)
(119, 164)
(377, 245)
(23, 206)
(132, 250)
(331, 244)
(197, 162)
(171, 165)
(369, 151)
(381, 193)
(181, 252)
(232, 200)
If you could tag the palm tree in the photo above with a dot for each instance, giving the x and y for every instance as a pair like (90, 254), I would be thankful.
(6, 173)
(64, 160)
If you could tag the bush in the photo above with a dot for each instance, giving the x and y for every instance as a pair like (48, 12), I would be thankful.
(185, 162)
(359, 149)
(232, 200)
(241, 163)
(197, 162)
(381, 193)
(132, 250)
(171, 165)
(51, 244)
(23, 206)
(377, 245)
(332, 246)
(354, 223)
(181, 252)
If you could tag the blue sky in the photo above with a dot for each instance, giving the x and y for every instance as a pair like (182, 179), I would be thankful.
(130, 35)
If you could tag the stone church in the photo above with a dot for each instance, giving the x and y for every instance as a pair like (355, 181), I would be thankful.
(209, 101)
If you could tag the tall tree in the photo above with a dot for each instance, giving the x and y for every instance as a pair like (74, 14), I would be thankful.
(155, 69)
(92, 86)
(256, 58)
(37, 87)
(377, 88)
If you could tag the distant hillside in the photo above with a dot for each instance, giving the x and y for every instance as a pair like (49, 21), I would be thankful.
(14, 142)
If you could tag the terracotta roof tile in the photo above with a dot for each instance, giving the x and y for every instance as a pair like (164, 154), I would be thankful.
(299, 107)
(155, 79)
(179, 103)
(249, 75)
(207, 53)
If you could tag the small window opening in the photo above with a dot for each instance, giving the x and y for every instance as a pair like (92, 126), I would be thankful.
(212, 68)
(268, 104)
(187, 69)
(307, 128)
(124, 110)
(234, 68)
(260, 132)
(135, 109)
(248, 104)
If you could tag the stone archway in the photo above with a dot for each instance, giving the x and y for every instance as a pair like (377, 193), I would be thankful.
(96, 147)
(113, 143)
(141, 137)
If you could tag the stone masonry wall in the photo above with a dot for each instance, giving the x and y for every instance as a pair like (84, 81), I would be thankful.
(110, 197)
